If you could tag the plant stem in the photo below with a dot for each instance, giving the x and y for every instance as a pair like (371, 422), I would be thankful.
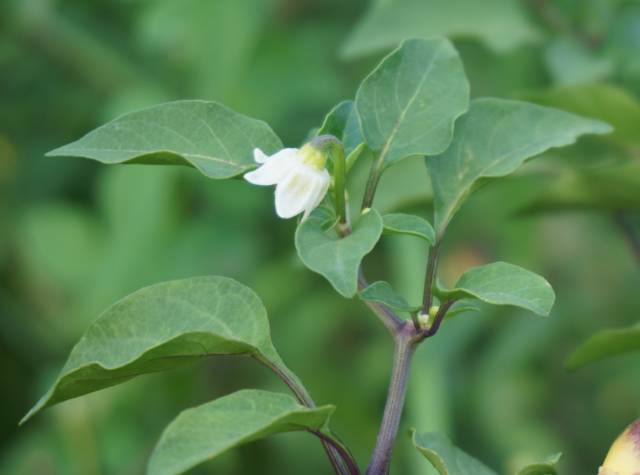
(342, 462)
(339, 173)
(389, 319)
(352, 467)
(432, 264)
(335, 149)
(381, 458)
(437, 321)
(372, 182)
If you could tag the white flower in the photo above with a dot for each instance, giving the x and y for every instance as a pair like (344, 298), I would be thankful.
(300, 177)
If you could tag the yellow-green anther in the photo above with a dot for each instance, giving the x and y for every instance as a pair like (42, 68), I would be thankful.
(313, 156)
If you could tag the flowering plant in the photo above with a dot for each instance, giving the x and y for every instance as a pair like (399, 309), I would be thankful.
(416, 102)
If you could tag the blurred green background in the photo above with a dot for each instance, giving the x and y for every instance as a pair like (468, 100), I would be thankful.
(75, 236)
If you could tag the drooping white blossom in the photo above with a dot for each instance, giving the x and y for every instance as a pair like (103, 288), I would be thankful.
(300, 177)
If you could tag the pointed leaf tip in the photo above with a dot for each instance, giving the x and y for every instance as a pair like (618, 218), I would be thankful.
(206, 135)
(162, 327)
(203, 433)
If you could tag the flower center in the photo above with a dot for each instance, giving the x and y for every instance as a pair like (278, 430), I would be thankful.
(312, 157)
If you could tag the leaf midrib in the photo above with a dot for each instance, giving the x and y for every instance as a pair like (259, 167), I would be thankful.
(403, 112)
(140, 153)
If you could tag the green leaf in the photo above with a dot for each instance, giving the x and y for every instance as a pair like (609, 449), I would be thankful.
(382, 292)
(460, 307)
(335, 121)
(337, 258)
(546, 467)
(207, 431)
(501, 24)
(398, 223)
(162, 327)
(605, 344)
(500, 283)
(206, 135)
(494, 139)
(446, 458)
(605, 102)
(409, 103)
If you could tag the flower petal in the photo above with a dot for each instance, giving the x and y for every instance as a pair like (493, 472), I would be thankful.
(275, 168)
(259, 156)
(322, 185)
(295, 192)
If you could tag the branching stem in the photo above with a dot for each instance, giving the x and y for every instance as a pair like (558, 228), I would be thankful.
(437, 321)
(406, 336)
(381, 458)
(389, 319)
(343, 463)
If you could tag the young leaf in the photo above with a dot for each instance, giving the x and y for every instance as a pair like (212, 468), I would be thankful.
(446, 458)
(605, 344)
(337, 258)
(501, 24)
(206, 135)
(500, 283)
(207, 431)
(342, 122)
(335, 121)
(493, 139)
(162, 327)
(398, 223)
(460, 307)
(547, 467)
(409, 103)
(383, 292)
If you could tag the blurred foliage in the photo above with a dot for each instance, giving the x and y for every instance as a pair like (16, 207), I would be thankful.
(76, 236)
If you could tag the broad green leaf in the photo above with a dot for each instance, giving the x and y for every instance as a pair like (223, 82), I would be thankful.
(207, 431)
(398, 223)
(500, 283)
(446, 458)
(494, 139)
(546, 467)
(206, 135)
(162, 327)
(337, 258)
(383, 292)
(501, 24)
(409, 103)
(605, 344)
